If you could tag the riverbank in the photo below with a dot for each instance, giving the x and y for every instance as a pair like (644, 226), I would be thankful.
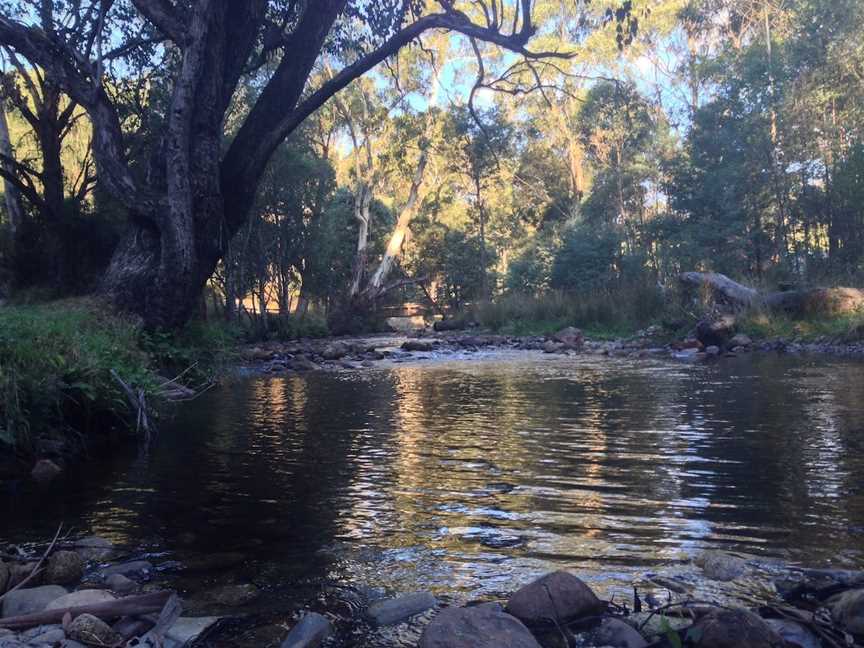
(85, 591)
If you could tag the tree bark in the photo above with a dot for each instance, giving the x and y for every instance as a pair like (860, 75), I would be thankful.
(14, 211)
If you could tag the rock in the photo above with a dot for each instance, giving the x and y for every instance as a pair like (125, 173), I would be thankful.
(334, 351)
(50, 636)
(20, 571)
(559, 595)
(848, 610)
(81, 597)
(553, 347)
(734, 629)
(233, 595)
(45, 471)
(91, 630)
(716, 331)
(740, 340)
(794, 633)
(721, 566)
(120, 584)
(27, 601)
(570, 337)
(5, 575)
(72, 644)
(64, 568)
(309, 632)
(616, 633)
(480, 626)
(127, 568)
(406, 324)
(94, 548)
(302, 364)
(417, 345)
(712, 350)
(186, 630)
(390, 611)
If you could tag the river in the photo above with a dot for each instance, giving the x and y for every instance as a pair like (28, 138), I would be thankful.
(470, 477)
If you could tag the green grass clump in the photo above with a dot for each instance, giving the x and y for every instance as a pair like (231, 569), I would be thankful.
(760, 324)
(56, 363)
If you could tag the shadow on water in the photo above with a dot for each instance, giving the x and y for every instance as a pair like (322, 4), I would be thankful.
(470, 478)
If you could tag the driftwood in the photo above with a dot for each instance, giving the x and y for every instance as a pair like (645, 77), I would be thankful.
(805, 302)
(129, 606)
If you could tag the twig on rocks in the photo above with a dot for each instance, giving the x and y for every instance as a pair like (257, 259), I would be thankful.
(37, 567)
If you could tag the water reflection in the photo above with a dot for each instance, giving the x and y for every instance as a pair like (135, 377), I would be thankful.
(469, 478)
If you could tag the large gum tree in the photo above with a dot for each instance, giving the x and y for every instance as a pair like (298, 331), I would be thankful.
(198, 185)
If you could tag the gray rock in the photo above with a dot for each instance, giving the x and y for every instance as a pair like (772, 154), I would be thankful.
(309, 632)
(81, 597)
(553, 347)
(120, 584)
(94, 548)
(131, 567)
(735, 629)
(480, 626)
(721, 566)
(91, 630)
(570, 337)
(848, 610)
(302, 364)
(616, 633)
(45, 471)
(712, 350)
(740, 340)
(417, 345)
(396, 610)
(187, 629)
(64, 568)
(27, 601)
(717, 331)
(794, 633)
(556, 596)
(334, 351)
(50, 637)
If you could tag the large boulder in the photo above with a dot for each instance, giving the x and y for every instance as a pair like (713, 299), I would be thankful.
(81, 597)
(716, 331)
(64, 568)
(556, 597)
(734, 629)
(27, 601)
(848, 610)
(482, 626)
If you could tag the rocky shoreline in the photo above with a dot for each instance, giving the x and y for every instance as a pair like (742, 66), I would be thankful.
(76, 594)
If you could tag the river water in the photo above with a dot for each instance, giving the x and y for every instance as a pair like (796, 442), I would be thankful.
(471, 477)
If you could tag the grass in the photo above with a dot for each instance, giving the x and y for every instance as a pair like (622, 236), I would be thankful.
(602, 314)
(841, 329)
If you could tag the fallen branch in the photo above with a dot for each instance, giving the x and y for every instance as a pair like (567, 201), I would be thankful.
(129, 606)
(37, 567)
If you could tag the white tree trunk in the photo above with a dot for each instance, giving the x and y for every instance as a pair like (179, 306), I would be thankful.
(362, 213)
(397, 238)
(14, 210)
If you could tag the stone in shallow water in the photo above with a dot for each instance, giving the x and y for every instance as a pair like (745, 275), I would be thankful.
(94, 548)
(131, 567)
(64, 568)
(120, 584)
(481, 626)
(185, 630)
(91, 630)
(721, 566)
(50, 637)
(309, 632)
(616, 633)
(27, 601)
(396, 610)
(557, 596)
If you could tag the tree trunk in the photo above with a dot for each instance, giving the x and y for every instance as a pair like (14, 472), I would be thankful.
(14, 211)
(397, 238)
(362, 213)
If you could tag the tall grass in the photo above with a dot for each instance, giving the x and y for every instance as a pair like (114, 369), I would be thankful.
(610, 311)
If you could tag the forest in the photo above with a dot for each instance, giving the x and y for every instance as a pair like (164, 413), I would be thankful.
(584, 152)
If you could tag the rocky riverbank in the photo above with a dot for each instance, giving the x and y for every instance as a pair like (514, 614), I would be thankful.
(78, 593)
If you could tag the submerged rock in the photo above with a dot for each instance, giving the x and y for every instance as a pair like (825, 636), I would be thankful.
(482, 626)
(848, 610)
(81, 597)
(64, 568)
(396, 610)
(721, 566)
(734, 629)
(310, 632)
(27, 601)
(127, 568)
(559, 596)
(94, 548)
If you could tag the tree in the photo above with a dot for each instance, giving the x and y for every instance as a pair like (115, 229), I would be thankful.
(195, 197)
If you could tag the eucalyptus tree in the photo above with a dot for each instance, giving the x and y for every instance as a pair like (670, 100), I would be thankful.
(198, 190)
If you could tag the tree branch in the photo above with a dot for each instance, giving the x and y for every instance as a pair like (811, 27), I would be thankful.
(163, 14)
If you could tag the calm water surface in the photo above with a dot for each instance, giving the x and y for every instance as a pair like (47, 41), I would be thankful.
(469, 478)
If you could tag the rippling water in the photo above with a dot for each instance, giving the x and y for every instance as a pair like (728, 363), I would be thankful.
(469, 478)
